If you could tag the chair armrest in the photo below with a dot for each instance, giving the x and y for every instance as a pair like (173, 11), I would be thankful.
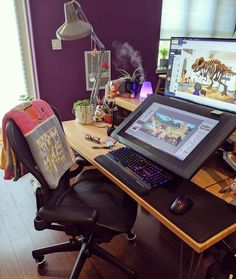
(81, 162)
(65, 214)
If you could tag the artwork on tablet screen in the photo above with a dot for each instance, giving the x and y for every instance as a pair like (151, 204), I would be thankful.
(169, 130)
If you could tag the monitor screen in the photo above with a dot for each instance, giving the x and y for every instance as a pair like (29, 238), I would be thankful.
(178, 135)
(203, 71)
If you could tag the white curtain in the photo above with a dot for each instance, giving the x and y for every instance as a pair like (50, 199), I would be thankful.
(198, 18)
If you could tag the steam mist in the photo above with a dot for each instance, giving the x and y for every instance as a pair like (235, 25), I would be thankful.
(126, 56)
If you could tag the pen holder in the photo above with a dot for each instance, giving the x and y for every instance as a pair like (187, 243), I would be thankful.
(112, 128)
(108, 118)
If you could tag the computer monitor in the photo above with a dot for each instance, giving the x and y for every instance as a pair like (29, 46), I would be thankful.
(177, 135)
(203, 71)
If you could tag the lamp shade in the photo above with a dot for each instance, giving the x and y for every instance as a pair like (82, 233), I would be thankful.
(146, 90)
(73, 28)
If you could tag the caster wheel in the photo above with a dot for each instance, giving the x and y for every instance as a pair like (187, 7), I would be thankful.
(130, 235)
(40, 260)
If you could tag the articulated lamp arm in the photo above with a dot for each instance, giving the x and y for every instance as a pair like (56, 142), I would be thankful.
(83, 17)
(100, 47)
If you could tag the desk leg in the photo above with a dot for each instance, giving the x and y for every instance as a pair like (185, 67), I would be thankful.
(197, 265)
(193, 265)
(181, 260)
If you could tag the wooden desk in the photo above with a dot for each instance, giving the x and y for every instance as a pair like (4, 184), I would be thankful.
(127, 103)
(204, 178)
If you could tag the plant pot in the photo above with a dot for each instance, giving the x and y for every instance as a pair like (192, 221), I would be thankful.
(84, 114)
(132, 87)
(108, 118)
(163, 63)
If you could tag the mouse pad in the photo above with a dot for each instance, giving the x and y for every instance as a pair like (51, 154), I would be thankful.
(208, 216)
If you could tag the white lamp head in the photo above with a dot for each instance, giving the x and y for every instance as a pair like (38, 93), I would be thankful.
(73, 28)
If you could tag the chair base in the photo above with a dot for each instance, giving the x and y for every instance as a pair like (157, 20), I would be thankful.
(86, 248)
(130, 235)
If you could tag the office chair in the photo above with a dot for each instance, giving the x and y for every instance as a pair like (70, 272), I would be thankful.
(91, 211)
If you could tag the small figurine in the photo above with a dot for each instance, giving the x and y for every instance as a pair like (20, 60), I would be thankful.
(197, 88)
(233, 187)
(113, 91)
(99, 113)
(203, 92)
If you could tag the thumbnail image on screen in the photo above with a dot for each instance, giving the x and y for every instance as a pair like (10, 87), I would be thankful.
(171, 130)
(204, 71)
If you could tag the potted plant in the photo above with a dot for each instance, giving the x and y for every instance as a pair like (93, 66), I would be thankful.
(83, 111)
(132, 82)
(164, 61)
(25, 97)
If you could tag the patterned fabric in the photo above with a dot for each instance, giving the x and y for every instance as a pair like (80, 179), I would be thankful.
(45, 138)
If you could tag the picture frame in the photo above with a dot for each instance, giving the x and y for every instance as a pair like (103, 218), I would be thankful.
(91, 63)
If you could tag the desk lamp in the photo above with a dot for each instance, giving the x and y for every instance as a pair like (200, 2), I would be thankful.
(77, 26)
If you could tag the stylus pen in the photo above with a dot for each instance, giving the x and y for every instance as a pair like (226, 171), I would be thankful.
(226, 189)
(101, 147)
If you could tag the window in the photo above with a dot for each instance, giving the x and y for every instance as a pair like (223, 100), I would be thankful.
(211, 18)
(15, 56)
(24, 41)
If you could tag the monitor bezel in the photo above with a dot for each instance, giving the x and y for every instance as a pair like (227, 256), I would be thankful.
(191, 164)
(196, 101)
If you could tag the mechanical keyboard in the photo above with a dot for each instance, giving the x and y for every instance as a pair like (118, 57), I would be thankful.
(134, 170)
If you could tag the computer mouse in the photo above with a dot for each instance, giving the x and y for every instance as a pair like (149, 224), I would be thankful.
(181, 205)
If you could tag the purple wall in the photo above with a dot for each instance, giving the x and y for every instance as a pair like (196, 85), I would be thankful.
(61, 74)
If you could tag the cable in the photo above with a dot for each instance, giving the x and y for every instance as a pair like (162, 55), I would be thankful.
(232, 176)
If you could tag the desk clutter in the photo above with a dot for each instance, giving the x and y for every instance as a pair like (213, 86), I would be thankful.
(128, 87)
(85, 112)
(104, 111)
(107, 143)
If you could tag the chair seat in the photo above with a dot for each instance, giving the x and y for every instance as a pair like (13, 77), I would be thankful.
(116, 210)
